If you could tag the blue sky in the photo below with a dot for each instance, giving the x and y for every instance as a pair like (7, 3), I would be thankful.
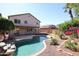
(47, 13)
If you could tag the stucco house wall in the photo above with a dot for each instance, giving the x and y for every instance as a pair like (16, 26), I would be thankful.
(32, 22)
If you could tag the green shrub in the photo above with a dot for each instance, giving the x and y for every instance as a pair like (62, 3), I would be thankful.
(6, 25)
(64, 26)
(71, 45)
(67, 44)
(74, 35)
(54, 41)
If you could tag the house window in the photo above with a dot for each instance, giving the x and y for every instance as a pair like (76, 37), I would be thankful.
(29, 29)
(17, 21)
(37, 23)
(25, 22)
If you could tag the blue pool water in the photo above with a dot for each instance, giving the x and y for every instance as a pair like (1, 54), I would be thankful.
(29, 48)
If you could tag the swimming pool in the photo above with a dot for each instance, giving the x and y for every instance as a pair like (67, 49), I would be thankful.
(28, 48)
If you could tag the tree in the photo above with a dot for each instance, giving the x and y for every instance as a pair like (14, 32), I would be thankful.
(76, 9)
(71, 23)
(68, 8)
(6, 25)
(0, 15)
(72, 8)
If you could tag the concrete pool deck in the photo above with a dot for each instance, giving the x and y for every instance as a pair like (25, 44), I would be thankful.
(53, 50)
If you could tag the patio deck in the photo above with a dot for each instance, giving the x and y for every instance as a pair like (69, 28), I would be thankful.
(58, 50)
(52, 51)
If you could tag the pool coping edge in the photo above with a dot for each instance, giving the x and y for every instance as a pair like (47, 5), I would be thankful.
(36, 54)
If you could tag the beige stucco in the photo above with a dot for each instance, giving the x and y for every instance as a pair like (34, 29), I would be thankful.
(31, 22)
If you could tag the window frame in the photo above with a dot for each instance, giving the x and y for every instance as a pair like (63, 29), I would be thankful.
(25, 22)
(17, 21)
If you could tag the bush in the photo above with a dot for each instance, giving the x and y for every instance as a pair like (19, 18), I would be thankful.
(71, 45)
(6, 25)
(77, 46)
(74, 35)
(54, 41)
(63, 36)
(67, 44)
(64, 26)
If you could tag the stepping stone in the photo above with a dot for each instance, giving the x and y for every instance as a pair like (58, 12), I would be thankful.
(68, 53)
(59, 49)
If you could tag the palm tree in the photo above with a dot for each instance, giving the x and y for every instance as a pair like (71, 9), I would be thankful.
(76, 9)
(72, 8)
(69, 8)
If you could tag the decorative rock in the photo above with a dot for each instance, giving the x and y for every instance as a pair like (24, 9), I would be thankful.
(8, 45)
(13, 46)
(59, 49)
(49, 36)
(10, 51)
(2, 44)
(69, 53)
(5, 47)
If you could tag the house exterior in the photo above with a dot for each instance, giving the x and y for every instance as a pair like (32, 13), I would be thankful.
(25, 23)
(48, 29)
